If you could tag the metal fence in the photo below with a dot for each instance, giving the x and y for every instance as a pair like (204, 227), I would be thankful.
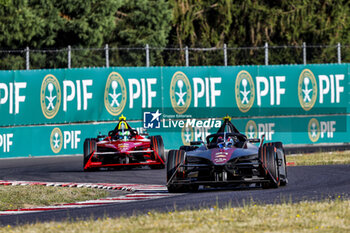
(152, 56)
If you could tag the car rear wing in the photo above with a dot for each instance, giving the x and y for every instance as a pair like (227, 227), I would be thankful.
(126, 152)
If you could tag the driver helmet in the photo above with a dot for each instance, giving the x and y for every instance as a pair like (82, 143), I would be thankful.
(220, 142)
(123, 133)
(220, 139)
(230, 141)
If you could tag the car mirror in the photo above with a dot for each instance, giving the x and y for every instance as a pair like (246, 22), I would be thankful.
(254, 140)
(101, 137)
(196, 143)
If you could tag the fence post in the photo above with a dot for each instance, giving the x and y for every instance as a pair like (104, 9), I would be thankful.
(304, 53)
(339, 53)
(107, 55)
(186, 55)
(266, 54)
(147, 55)
(69, 57)
(225, 55)
(27, 58)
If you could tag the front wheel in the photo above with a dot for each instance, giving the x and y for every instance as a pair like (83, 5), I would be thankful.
(269, 161)
(89, 147)
(158, 147)
(282, 164)
(175, 159)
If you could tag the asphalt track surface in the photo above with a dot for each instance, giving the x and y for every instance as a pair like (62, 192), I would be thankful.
(305, 183)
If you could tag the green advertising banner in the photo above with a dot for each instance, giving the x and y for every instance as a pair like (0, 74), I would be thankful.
(50, 140)
(76, 95)
(295, 104)
(102, 94)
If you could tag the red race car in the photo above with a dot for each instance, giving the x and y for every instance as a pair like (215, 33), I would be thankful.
(123, 146)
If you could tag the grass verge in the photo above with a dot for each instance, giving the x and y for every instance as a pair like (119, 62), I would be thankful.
(14, 197)
(324, 158)
(324, 216)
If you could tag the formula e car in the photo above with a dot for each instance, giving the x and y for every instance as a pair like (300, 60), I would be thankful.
(227, 158)
(123, 146)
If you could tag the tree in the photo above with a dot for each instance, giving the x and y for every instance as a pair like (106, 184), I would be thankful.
(200, 24)
(251, 23)
(85, 24)
(129, 25)
(47, 24)
(20, 26)
(141, 22)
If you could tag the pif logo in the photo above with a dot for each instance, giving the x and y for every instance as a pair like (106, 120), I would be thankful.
(187, 135)
(244, 91)
(6, 142)
(115, 94)
(180, 92)
(50, 96)
(314, 130)
(254, 130)
(56, 140)
(251, 129)
(307, 89)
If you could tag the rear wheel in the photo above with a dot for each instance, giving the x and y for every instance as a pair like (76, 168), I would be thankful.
(89, 147)
(282, 165)
(268, 156)
(175, 158)
(158, 147)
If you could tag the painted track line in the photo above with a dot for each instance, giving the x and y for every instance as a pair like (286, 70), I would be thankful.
(138, 192)
(122, 187)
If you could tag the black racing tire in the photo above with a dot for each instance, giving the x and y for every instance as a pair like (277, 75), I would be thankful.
(89, 147)
(158, 146)
(269, 161)
(175, 157)
(283, 164)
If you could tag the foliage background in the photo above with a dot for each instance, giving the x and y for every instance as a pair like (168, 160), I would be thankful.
(47, 27)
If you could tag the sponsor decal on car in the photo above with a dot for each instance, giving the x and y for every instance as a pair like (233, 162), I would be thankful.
(221, 157)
